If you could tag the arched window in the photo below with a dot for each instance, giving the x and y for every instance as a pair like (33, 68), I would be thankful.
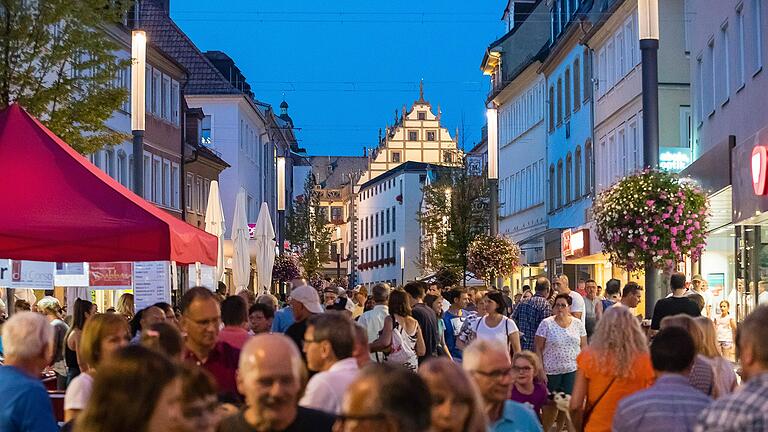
(109, 165)
(559, 106)
(122, 168)
(577, 173)
(551, 108)
(567, 90)
(589, 171)
(568, 176)
(576, 86)
(552, 181)
(559, 183)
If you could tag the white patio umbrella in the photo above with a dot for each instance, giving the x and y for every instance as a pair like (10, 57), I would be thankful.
(214, 224)
(241, 260)
(264, 237)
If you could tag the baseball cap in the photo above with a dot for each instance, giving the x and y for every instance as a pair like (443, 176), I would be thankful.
(343, 303)
(307, 296)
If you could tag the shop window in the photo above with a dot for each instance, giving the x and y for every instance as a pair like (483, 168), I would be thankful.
(560, 183)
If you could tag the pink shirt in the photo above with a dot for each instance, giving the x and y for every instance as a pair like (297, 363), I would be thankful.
(235, 336)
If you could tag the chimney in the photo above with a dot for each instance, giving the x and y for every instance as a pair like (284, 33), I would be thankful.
(365, 151)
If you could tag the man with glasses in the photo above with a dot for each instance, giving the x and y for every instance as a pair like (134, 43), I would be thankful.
(386, 398)
(201, 321)
(270, 375)
(489, 365)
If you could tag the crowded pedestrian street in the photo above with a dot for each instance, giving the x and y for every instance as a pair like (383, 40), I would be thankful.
(213, 222)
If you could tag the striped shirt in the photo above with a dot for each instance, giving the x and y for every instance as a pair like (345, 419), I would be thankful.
(671, 404)
(746, 410)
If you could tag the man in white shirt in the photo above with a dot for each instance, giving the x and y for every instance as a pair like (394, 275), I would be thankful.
(577, 307)
(373, 320)
(329, 343)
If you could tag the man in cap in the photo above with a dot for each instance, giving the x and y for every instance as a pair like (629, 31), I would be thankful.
(304, 302)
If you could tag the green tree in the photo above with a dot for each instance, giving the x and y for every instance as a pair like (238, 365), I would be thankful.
(59, 63)
(454, 213)
(307, 229)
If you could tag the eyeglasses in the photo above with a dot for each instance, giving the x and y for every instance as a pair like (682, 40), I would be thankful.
(561, 305)
(495, 374)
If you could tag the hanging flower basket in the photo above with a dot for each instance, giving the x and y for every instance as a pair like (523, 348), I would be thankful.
(491, 257)
(652, 218)
(286, 268)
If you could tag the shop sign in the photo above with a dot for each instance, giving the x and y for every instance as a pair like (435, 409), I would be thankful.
(20, 274)
(674, 159)
(575, 244)
(110, 275)
(759, 168)
(252, 231)
(565, 243)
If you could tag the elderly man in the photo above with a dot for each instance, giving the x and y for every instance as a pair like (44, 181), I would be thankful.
(329, 344)
(270, 376)
(746, 409)
(373, 320)
(305, 302)
(28, 347)
(488, 363)
(386, 398)
(201, 320)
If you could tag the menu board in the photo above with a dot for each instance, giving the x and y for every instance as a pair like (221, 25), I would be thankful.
(151, 283)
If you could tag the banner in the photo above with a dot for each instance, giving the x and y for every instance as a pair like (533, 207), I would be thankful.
(19, 274)
(110, 275)
(152, 283)
(71, 275)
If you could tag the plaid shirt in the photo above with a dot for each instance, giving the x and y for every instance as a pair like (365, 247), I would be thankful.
(528, 315)
(746, 410)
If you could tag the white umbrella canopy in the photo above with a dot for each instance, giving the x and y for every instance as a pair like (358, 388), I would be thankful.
(264, 237)
(214, 224)
(241, 260)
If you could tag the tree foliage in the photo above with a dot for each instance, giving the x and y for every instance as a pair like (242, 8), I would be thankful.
(58, 62)
(454, 212)
(307, 229)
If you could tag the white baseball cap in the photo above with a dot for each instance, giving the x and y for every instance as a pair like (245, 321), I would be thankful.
(307, 296)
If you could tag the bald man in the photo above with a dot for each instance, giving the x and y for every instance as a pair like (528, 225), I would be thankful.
(270, 375)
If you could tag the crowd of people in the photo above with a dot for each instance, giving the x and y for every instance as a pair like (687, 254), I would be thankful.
(415, 358)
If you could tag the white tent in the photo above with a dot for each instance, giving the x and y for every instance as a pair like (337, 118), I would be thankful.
(214, 224)
(241, 260)
(264, 237)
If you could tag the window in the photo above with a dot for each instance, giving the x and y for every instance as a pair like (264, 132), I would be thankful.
(129, 177)
(206, 135)
(577, 173)
(631, 44)
(430, 135)
(620, 55)
(109, 163)
(175, 182)
(576, 86)
(560, 183)
(122, 168)
(610, 65)
(568, 175)
(740, 47)
(551, 108)
(395, 156)
(447, 157)
(559, 106)
(602, 73)
(725, 78)
(567, 90)
(757, 13)
(422, 115)
(713, 77)
(413, 135)
(587, 74)
(175, 98)
(552, 180)
(624, 167)
(387, 224)
(589, 175)
(148, 89)
(700, 96)
(189, 198)
(147, 176)
(166, 199)
(394, 219)
(685, 127)
(156, 91)
(157, 179)
(166, 98)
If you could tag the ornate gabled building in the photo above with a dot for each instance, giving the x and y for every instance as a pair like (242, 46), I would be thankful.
(416, 136)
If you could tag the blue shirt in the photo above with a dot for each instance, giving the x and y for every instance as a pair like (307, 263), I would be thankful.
(743, 411)
(669, 404)
(283, 320)
(528, 315)
(453, 325)
(24, 404)
(516, 417)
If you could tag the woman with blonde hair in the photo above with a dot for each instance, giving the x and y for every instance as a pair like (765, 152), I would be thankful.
(725, 377)
(125, 306)
(614, 365)
(456, 402)
(528, 388)
(103, 335)
(51, 308)
(702, 375)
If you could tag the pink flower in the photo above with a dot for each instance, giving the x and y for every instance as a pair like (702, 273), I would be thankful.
(650, 202)
(673, 230)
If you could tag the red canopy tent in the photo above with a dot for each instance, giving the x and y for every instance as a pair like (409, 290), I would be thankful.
(56, 206)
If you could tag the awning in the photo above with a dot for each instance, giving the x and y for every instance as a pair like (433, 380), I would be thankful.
(56, 206)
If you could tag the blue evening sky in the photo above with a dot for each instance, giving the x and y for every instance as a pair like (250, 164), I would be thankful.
(345, 66)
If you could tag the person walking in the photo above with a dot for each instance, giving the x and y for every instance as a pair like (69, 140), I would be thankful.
(454, 319)
(677, 303)
(559, 340)
(436, 303)
(590, 306)
(234, 316)
(426, 318)
(611, 297)
(27, 347)
(305, 302)
(260, 318)
(529, 314)
(373, 320)
(401, 337)
(670, 403)
(615, 364)
(494, 325)
(329, 344)
(702, 374)
(270, 376)
(143, 320)
(456, 402)
(726, 330)
(725, 377)
(747, 409)
(488, 363)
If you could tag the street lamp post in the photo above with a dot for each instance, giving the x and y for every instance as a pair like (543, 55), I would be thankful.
(138, 83)
(493, 169)
(402, 265)
(280, 184)
(648, 22)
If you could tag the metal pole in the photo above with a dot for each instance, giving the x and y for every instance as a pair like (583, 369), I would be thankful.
(650, 76)
(338, 262)
(138, 162)
(281, 231)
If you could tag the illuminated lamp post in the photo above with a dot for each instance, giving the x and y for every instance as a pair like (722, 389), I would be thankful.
(280, 184)
(138, 107)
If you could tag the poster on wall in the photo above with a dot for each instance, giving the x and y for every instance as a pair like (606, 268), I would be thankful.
(110, 275)
(152, 283)
(71, 275)
(18, 274)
